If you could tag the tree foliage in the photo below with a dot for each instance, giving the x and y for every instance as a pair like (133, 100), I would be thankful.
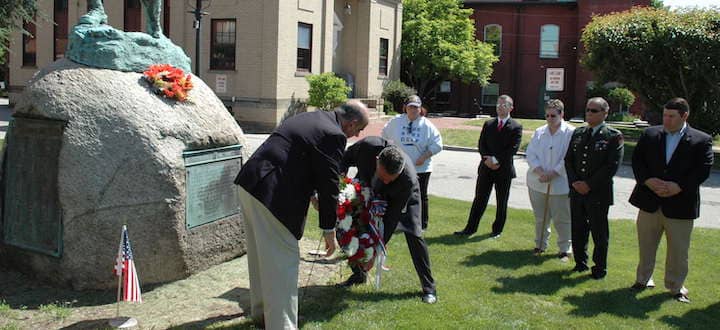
(12, 15)
(395, 93)
(438, 44)
(661, 54)
(327, 90)
(622, 97)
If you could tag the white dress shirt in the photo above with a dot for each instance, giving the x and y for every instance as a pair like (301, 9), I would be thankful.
(547, 151)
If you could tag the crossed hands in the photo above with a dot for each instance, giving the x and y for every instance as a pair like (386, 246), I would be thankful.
(663, 188)
(545, 176)
(581, 187)
(488, 160)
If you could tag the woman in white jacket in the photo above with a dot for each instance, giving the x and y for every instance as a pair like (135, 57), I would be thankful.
(420, 140)
(547, 180)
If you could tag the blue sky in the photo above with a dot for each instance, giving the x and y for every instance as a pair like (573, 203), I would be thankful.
(683, 3)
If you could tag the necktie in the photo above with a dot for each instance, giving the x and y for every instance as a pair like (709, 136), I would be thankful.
(500, 125)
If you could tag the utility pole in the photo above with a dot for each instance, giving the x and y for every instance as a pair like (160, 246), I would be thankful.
(197, 24)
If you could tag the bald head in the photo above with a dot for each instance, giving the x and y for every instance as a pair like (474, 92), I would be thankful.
(353, 117)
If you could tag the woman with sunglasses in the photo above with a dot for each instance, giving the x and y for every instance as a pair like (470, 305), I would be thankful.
(547, 180)
(420, 140)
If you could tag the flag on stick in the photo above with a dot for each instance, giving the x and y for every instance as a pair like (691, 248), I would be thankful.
(125, 269)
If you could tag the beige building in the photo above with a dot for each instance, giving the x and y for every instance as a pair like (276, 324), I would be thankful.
(255, 54)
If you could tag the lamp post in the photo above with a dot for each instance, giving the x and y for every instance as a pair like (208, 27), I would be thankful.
(199, 13)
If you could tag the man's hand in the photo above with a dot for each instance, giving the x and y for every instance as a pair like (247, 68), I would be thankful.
(672, 189)
(421, 160)
(489, 163)
(330, 245)
(581, 187)
(659, 187)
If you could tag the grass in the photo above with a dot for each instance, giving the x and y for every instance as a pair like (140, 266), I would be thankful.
(528, 124)
(57, 311)
(469, 138)
(485, 283)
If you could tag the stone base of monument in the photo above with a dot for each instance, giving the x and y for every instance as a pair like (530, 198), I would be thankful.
(123, 323)
(90, 150)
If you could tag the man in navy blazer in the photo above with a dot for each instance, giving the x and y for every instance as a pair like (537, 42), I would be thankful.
(670, 162)
(499, 142)
(301, 156)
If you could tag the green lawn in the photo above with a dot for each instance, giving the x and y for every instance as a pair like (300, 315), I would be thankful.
(485, 283)
(528, 124)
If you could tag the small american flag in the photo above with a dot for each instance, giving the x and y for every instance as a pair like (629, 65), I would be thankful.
(125, 267)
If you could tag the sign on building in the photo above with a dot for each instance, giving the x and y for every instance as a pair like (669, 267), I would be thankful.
(221, 83)
(555, 79)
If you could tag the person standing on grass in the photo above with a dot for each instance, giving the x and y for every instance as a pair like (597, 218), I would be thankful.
(670, 162)
(547, 180)
(499, 141)
(392, 177)
(301, 156)
(592, 159)
(420, 140)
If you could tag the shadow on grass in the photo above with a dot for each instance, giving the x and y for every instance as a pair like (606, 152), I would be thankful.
(696, 318)
(451, 239)
(621, 302)
(20, 291)
(506, 259)
(89, 324)
(547, 283)
(203, 324)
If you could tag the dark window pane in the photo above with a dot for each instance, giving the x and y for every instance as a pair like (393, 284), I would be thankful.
(383, 66)
(222, 44)
(304, 48)
(29, 45)
(60, 29)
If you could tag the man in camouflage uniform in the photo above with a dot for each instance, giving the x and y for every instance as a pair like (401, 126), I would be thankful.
(592, 159)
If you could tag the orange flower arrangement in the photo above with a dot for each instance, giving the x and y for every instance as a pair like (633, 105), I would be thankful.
(169, 81)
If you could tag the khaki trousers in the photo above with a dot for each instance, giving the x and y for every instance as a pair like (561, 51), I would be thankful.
(650, 227)
(273, 261)
(558, 214)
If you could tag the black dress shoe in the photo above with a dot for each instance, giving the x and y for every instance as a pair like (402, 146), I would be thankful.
(429, 298)
(354, 279)
(580, 268)
(463, 233)
(600, 274)
(495, 235)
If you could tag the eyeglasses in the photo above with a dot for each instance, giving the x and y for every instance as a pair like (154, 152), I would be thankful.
(593, 110)
(504, 106)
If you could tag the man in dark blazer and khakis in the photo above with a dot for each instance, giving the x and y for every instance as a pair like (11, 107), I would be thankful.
(498, 143)
(301, 156)
(670, 162)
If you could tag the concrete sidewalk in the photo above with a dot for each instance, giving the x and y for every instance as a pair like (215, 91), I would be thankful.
(5, 114)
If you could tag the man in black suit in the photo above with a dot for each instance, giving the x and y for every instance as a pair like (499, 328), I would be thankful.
(302, 155)
(391, 174)
(592, 159)
(670, 162)
(498, 143)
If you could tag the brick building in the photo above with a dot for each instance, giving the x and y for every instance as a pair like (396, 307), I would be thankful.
(534, 38)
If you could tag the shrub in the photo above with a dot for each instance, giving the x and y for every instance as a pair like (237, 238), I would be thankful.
(395, 92)
(327, 90)
(622, 96)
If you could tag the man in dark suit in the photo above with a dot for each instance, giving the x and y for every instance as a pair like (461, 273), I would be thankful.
(302, 155)
(669, 162)
(592, 159)
(498, 143)
(391, 174)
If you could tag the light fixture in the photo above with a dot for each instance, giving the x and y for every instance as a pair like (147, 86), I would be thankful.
(348, 8)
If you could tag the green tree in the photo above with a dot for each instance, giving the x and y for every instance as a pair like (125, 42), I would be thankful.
(661, 54)
(659, 4)
(438, 44)
(395, 93)
(327, 90)
(12, 15)
(622, 97)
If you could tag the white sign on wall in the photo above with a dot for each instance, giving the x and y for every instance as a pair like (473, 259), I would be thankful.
(555, 79)
(221, 83)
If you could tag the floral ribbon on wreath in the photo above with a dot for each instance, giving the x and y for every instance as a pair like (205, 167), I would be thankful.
(359, 217)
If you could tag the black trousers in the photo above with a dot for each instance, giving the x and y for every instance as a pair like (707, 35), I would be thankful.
(590, 216)
(483, 187)
(424, 179)
(420, 258)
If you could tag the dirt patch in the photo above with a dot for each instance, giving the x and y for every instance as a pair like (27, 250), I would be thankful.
(215, 296)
